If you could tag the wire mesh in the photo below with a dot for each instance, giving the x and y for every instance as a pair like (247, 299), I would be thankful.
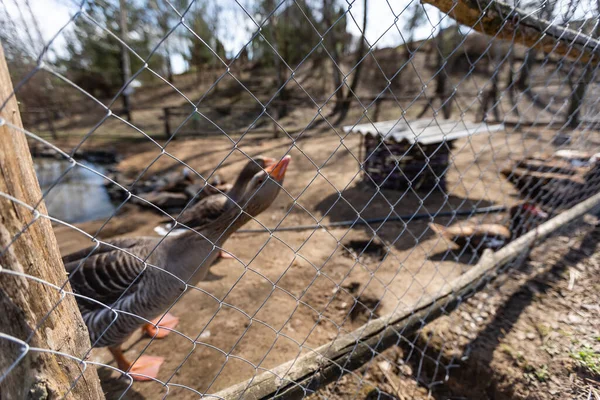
(416, 144)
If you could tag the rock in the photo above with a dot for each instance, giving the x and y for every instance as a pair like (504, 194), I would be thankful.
(591, 307)
(385, 366)
(574, 319)
(530, 335)
(205, 334)
(97, 156)
(405, 369)
(456, 329)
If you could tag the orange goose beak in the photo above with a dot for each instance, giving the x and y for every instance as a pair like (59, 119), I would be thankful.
(269, 161)
(277, 170)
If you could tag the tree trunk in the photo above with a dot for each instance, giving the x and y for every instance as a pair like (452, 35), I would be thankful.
(281, 72)
(490, 98)
(333, 49)
(36, 314)
(279, 105)
(125, 61)
(510, 85)
(441, 94)
(412, 25)
(441, 79)
(169, 65)
(357, 71)
(528, 63)
(578, 94)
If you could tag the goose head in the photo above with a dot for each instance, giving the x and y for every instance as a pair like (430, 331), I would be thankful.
(254, 166)
(264, 187)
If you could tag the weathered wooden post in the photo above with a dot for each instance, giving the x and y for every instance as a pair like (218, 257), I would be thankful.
(32, 312)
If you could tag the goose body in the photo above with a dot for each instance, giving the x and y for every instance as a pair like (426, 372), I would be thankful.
(125, 283)
(118, 279)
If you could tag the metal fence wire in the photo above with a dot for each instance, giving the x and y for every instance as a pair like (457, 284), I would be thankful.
(293, 213)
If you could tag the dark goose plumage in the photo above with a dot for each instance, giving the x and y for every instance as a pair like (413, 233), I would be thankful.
(118, 292)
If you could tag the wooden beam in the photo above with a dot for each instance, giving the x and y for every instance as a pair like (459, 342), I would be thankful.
(34, 313)
(513, 24)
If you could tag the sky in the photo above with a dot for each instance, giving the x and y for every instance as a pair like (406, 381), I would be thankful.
(237, 27)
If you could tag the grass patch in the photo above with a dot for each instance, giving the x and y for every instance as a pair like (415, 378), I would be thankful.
(542, 374)
(543, 330)
(588, 359)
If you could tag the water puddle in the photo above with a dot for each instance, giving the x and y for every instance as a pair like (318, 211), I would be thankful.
(79, 196)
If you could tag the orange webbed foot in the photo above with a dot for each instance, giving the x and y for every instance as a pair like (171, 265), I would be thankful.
(145, 368)
(225, 255)
(167, 321)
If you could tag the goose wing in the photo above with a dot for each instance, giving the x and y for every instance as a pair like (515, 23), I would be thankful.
(108, 272)
(205, 211)
(125, 243)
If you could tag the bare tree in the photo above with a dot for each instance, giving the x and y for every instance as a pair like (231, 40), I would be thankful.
(522, 83)
(417, 16)
(21, 53)
(510, 76)
(332, 44)
(445, 39)
(125, 62)
(490, 97)
(360, 53)
(163, 16)
(578, 94)
(280, 107)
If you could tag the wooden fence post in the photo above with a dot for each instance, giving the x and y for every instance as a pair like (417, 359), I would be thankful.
(33, 312)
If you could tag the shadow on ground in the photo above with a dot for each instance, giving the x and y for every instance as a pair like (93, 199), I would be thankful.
(363, 198)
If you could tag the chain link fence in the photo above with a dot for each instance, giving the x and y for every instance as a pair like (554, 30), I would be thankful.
(342, 204)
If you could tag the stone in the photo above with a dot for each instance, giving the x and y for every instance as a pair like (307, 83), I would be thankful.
(405, 369)
(574, 319)
(205, 334)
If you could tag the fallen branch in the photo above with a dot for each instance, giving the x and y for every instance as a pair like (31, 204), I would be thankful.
(510, 23)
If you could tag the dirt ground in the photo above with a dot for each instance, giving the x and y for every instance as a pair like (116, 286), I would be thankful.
(533, 334)
(295, 290)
